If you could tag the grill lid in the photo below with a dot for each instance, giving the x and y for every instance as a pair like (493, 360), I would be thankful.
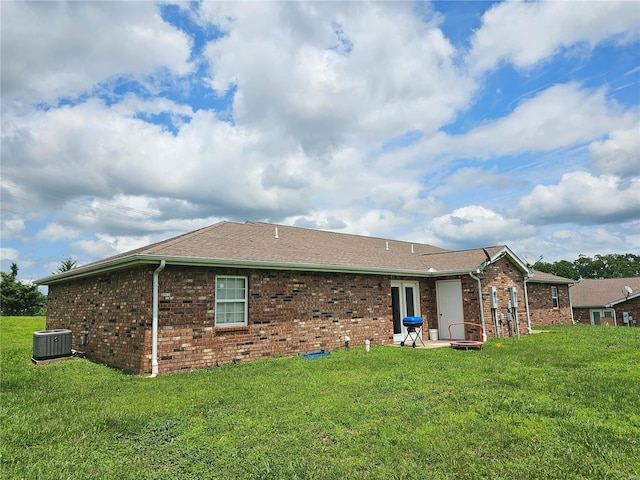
(412, 321)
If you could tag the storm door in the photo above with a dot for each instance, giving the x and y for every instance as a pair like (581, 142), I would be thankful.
(405, 302)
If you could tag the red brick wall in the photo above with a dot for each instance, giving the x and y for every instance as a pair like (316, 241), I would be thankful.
(581, 315)
(503, 274)
(111, 312)
(541, 306)
(289, 313)
(632, 307)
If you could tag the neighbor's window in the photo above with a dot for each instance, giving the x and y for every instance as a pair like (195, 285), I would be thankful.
(231, 301)
(554, 297)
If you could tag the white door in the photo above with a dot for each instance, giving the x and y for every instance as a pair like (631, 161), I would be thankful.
(405, 302)
(449, 297)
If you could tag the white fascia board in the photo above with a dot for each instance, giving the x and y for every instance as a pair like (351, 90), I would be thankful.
(622, 300)
(515, 259)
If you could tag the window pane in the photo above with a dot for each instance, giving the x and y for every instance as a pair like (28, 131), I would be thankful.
(228, 312)
(230, 288)
(221, 292)
(395, 306)
(554, 297)
(409, 297)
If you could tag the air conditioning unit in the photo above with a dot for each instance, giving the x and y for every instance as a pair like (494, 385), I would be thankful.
(51, 344)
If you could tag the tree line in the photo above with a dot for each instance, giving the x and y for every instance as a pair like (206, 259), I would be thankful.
(614, 265)
(19, 298)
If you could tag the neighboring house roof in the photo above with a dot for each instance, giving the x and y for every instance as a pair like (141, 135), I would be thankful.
(605, 292)
(543, 277)
(264, 245)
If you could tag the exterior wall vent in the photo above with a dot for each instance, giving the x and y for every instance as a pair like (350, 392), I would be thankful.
(51, 344)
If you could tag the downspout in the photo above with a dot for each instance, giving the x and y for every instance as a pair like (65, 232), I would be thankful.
(484, 336)
(526, 304)
(154, 325)
(573, 320)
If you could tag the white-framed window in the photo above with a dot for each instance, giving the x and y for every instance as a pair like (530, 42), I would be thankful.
(231, 300)
(554, 297)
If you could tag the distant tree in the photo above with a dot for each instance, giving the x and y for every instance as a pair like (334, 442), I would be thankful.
(66, 265)
(563, 268)
(20, 298)
(613, 265)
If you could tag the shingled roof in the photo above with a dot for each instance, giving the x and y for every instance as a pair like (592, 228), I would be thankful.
(543, 277)
(264, 245)
(603, 292)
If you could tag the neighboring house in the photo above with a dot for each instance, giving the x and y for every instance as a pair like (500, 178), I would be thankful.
(232, 292)
(609, 301)
(549, 299)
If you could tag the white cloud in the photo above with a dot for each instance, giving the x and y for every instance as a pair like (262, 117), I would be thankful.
(475, 225)
(559, 117)
(619, 153)
(584, 199)
(397, 74)
(9, 254)
(92, 150)
(12, 227)
(54, 232)
(569, 243)
(108, 245)
(527, 33)
(70, 46)
(469, 177)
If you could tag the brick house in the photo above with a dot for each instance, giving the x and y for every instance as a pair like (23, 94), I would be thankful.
(232, 292)
(609, 301)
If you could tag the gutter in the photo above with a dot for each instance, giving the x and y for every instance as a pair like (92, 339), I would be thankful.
(484, 331)
(154, 327)
(144, 259)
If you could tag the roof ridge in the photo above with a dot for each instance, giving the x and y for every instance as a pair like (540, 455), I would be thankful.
(463, 250)
(619, 279)
(368, 237)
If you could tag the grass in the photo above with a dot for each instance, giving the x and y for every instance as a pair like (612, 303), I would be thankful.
(562, 404)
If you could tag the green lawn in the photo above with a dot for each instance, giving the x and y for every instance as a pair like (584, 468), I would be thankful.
(564, 404)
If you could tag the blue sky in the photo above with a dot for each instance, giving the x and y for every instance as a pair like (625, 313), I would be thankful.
(459, 124)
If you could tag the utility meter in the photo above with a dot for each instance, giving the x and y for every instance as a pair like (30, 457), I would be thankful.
(493, 297)
(513, 295)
